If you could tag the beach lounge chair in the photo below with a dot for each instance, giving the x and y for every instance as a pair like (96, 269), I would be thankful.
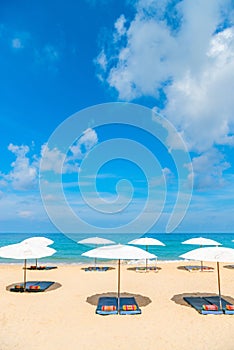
(107, 306)
(203, 306)
(41, 267)
(144, 269)
(33, 286)
(192, 268)
(96, 268)
(128, 306)
(228, 308)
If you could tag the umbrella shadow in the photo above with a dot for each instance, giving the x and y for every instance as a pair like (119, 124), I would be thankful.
(230, 267)
(93, 268)
(140, 299)
(179, 298)
(54, 286)
(181, 268)
(143, 269)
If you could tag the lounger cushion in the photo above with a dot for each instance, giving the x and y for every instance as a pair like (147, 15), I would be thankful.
(129, 307)
(34, 287)
(18, 286)
(108, 308)
(210, 307)
(229, 307)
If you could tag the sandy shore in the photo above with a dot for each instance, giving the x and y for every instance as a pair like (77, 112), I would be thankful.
(64, 318)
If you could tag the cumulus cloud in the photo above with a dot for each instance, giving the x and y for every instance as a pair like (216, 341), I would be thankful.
(23, 175)
(59, 162)
(51, 159)
(84, 144)
(183, 51)
(25, 168)
(208, 169)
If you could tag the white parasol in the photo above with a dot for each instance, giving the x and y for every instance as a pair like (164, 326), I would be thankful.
(24, 251)
(119, 252)
(96, 241)
(38, 241)
(213, 254)
(201, 241)
(146, 241)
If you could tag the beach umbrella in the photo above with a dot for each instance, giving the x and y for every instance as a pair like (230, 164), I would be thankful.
(119, 252)
(24, 251)
(38, 241)
(41, 241)
(96, 241)
(213, 254)
(201, 241)
(146, 241)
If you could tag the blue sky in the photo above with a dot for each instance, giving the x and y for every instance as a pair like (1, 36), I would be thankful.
(59, 58)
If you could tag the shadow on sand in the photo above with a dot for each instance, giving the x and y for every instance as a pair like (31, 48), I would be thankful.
(140, 299)
(179, 298)
(54, 286)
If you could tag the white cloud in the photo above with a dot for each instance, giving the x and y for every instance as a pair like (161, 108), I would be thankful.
(25, 214)
(52, 159)
(84, 144)
(120, 27)
(20, 40)
(17, 43)
(101, 60)
(208, 170)
(24, 173)
(168, 51)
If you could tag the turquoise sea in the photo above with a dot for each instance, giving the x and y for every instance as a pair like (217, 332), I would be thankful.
(69, 252)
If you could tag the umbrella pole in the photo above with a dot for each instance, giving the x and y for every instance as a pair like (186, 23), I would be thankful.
(118, 284)
(25, 267)
(36, 264)
(146, 261)
(220, 301)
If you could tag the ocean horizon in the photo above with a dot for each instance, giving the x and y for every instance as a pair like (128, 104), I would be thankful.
(68, 251)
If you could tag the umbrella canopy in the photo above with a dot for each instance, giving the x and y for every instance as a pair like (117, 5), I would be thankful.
(40, 241)
(24, 251)
(146, 241)
(96, 240)
(201, 241)
(214, 254)
(119, 252)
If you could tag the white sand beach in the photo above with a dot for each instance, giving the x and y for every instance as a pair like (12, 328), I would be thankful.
(64, 317)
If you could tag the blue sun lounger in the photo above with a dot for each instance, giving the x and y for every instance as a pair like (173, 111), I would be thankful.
(128, 306)
(32, 286)
(225, 303)
(200, 304)
(41, 267)
(96, 268)
(192, 268)
(107, 306)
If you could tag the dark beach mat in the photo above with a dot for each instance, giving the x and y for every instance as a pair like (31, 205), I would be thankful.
(107, 306)
(32, 286)
(128, 306)
(203, 306)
